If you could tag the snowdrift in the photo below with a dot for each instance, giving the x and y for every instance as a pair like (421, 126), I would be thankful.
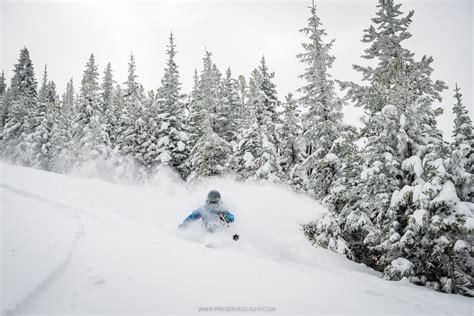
(73, 246)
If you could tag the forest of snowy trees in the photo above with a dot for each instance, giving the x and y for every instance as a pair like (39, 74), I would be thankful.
(400, 197)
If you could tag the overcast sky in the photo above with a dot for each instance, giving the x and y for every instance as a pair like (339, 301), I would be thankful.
(64, 33)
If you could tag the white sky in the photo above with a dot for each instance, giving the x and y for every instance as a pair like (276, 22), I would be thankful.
(64, 33)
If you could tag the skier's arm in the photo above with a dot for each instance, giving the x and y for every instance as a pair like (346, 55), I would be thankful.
(194, 216)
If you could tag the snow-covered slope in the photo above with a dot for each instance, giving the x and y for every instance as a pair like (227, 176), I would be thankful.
(75, 246)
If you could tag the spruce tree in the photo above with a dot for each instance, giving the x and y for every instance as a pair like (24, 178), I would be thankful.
(3, 103)
(256, 155)
(134, 138)
(46, 116)
(207, 123)
(322, 122)
(88, 103)
(107, 109)
(230, 108)
(3, 84)
(290, 133)
(107, 89)
(462, 162)
(392, 101)
(21, 119)
(63, 142)
(173, 147)
(209, 156)
(90, 141)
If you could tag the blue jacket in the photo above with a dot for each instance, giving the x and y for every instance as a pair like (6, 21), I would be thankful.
(210, 214)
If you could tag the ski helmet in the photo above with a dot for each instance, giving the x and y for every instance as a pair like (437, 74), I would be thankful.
(213, 197)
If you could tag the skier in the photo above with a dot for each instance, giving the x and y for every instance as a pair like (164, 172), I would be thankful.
(213, 213)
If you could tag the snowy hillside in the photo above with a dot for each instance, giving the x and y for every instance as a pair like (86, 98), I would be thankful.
(75, 246)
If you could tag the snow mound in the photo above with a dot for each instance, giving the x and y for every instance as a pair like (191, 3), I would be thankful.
(402, 265)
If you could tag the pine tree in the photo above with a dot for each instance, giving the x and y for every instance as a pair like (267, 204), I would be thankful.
(119, 116)
(46, 116)
(411, 211)
(462, 163)
(207, 123)
(268, 103)
(400, 136)
(290, 151)
(88, 104)
(195, 116)
(230, 108)
(392, 101)
(20, 121)
(207, 98)
(107, 89)
(107, 109)
(242, 88)
(172, 137)
(3, 84)
(63, 147)
(134, 137)
(256, 155)
(132, 87)
(3, 102)
(209, 156)
(437, 232)
(91, 143)
(322, 123)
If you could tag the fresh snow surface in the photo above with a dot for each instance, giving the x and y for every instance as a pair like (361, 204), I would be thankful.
(79, 246)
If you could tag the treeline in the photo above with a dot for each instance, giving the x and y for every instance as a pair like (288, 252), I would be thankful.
(400, 198)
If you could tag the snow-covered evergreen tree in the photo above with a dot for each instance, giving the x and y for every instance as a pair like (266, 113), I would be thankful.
(134, 137)
(108, 111)
(269, 167)
(91, 141)
(290, 149)
(432, 230)
(63, 142)
(205, 103)
(400, 139)
(392, 101)
(267, 101)
(230, 107)
(118, 116)
(173, 147)
(322, 123)
(462, 162)
(411, 213)
(68, 100)
(107, 88)
(3, 84)
(209, 156)
(208, 123)
(46, 115)
(195, 116)
(256, 155)
(20, 120)
(88, 103)
(3, 102)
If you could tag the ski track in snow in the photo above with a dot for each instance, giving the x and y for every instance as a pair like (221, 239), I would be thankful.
(314, 263)
(56, 272)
